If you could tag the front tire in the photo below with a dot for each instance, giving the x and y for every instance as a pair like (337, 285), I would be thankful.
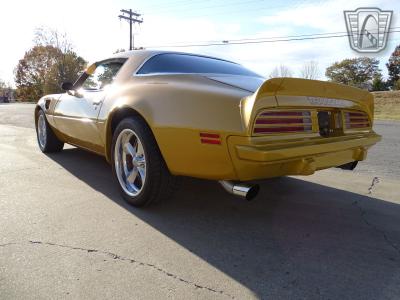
(138, 166)
(47, 140)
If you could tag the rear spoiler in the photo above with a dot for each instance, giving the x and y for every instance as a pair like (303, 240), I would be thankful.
(297, 92)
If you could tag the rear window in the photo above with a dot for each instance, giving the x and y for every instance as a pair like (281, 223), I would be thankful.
(183, 63)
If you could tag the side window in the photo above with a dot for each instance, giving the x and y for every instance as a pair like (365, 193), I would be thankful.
(102, 76)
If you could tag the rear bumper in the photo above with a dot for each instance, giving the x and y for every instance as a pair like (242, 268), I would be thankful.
(261, 157)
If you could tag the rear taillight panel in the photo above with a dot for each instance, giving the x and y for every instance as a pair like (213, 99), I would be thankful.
(327, 122)
(283, 121)
(356, 120)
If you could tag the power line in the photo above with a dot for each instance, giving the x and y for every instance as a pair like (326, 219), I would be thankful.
(132, 17)
(276, 37)
(227, 41)
(265, 40)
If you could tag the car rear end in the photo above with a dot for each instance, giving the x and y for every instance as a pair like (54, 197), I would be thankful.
(298, 126)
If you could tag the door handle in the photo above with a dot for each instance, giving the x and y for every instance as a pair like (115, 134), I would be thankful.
(96, 104)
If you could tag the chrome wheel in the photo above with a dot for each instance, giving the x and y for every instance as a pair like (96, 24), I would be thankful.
(41, 128)
(130, 162)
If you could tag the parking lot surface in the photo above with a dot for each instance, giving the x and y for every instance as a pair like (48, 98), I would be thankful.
(66, 233)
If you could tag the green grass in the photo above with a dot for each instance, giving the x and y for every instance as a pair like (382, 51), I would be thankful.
(387, 105)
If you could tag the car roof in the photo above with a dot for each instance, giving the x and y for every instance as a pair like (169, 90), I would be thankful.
(145, 54)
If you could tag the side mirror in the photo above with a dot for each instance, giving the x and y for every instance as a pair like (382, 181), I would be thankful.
(67, 86)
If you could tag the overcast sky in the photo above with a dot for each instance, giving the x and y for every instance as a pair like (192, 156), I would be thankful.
(96, 32)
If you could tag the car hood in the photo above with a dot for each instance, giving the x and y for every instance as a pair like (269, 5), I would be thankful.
(248, 83)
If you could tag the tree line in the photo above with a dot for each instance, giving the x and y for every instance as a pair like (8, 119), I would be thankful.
(361, 72)
(364, 72)
(53, 60)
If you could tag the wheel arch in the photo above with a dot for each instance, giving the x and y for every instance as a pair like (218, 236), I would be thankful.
(114, 119)
(37, 109)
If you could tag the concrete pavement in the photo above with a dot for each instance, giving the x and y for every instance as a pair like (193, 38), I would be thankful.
(66, 233)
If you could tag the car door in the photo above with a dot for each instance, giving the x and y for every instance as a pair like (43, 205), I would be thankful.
(76, 112)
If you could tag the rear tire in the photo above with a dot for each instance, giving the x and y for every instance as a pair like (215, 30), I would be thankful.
(138, 166)
(47, 140)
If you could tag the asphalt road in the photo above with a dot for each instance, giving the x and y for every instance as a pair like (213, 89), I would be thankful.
(65, 233)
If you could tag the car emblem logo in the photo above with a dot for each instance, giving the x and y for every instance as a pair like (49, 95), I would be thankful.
(368, 28)
(329, 102)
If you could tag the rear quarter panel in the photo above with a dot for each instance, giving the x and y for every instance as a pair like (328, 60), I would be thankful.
(177, 108)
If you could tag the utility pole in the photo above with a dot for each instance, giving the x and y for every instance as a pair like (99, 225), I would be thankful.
(132, 18)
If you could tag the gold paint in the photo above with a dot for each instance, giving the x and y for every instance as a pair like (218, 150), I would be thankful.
(178, 107)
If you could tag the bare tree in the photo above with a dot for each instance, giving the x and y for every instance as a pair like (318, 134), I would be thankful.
(310, 70)
(281, 71)
(46, 36)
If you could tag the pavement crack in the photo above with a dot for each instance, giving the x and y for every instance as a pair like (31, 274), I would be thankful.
(7, 244)
(374, 182)
(134, 261)
(382, 232)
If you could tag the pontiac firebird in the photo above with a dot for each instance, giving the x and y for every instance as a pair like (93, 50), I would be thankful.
(157, 115)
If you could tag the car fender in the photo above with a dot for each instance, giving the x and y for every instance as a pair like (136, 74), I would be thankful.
(47, 104)
(177, 110)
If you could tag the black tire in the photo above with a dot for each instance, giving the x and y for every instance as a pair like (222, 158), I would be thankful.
(159, 183)
(51, 143)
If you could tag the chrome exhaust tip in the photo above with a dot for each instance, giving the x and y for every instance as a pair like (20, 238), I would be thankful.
(249, 192)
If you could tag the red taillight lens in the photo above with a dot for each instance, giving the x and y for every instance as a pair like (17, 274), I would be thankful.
(273, 122)
(356, 120)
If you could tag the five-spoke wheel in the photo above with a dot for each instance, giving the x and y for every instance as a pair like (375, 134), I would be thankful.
(138, 165)
(41, 130)
(130, 162)
(47, 140)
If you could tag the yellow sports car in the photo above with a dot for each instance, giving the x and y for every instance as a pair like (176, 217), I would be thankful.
(158, 115)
